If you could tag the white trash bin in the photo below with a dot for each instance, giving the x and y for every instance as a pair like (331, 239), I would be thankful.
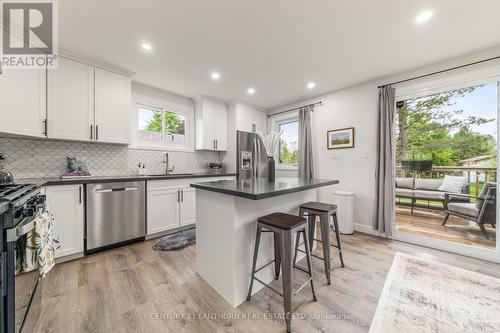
(345, 211)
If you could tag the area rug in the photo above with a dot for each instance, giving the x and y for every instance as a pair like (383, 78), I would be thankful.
(176, 241)
(421, 295)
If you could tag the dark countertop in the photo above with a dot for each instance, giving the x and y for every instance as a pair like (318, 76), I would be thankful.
(110, 179)
(261, 188)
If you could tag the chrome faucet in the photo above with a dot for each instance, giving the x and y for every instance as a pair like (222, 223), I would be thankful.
(166, 162)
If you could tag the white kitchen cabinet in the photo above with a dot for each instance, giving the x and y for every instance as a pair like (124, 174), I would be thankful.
(220, 125)
(112, 102)
(249, 120)
(70, 101)
(162, 209)
(66, 204)
(23, 102)
(211, 125)
(187, 206)
(170, 204)
(259, 119)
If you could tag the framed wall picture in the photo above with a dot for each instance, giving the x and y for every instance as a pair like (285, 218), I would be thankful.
(340, 138)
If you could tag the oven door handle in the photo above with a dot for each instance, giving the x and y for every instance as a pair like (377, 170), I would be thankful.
(26, 225)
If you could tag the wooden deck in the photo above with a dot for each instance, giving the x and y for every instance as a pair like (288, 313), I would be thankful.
(427, 223)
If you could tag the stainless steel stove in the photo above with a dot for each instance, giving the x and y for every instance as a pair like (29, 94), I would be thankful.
(20, 301)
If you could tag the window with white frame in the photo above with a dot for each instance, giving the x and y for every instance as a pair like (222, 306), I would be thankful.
(288, 154)
(161, 126)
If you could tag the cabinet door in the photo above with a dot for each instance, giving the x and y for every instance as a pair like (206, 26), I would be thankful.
(163, 209)
(220, 126)
(244, 118)
(208, 115)
(260, 121)
(188, 206)
(112, 102)
(23, 102)
(70, 112)
(66, 204)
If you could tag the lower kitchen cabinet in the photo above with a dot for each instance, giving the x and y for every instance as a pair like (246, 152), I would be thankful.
(162, 209)
(187, 207)
(170, 204)
(66, 204)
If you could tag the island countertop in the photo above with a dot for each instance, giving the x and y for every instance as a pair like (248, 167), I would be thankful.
(261, 188)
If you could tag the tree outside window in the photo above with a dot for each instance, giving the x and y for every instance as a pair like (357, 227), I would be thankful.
(288, 149)
(161, 126)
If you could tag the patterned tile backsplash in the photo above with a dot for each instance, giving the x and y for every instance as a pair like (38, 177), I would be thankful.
(32, 158)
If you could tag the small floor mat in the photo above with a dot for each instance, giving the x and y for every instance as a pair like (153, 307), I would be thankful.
(176, 241)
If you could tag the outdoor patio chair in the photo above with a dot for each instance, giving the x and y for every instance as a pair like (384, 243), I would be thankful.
(483, 211)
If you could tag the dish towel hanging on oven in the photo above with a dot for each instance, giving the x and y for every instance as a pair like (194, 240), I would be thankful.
(41, 243)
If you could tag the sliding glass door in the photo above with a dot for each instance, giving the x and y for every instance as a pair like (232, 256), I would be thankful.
(446, 144)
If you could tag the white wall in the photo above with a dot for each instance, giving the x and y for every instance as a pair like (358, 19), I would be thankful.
(355, 167)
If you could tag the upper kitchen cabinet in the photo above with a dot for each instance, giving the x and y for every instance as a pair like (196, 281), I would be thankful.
(70, 101)
(211, 124)
(248, 119)
(112, 102)
(23, 102)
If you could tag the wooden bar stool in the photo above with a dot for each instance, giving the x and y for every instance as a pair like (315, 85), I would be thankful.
(284, 226)
(324, 211)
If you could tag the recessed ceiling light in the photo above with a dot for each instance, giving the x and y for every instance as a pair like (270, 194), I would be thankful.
(215, 76)
(311, 85)
(424, 16)
(251, 91)
(146, 46)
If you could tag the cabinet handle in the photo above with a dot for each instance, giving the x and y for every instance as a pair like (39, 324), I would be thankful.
(79, 194)
(91, 132)
(178, 195)
(45, 126)
(97, 132)
(216, 144)
(182, 195)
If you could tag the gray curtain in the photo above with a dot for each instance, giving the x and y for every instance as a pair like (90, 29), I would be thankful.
(306, 160)
(384, 168)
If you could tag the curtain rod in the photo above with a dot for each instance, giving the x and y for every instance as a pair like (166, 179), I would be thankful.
(297, 108)
(439, 72)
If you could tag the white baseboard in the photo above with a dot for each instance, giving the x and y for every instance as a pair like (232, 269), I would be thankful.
(367, 229)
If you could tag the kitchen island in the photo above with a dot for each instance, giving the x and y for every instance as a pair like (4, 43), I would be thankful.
(227, 213)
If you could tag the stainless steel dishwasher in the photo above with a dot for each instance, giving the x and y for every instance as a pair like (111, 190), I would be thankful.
(115, 214)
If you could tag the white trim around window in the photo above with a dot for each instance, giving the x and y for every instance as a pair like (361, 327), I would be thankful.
(276, 121)
(162, 106)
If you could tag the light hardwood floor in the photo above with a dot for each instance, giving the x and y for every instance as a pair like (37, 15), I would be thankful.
(428, 223)
(129, 289)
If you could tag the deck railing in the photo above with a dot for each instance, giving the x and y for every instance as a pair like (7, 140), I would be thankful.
(488, 174)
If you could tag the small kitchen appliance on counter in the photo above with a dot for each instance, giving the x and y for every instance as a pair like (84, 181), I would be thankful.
(215, 168)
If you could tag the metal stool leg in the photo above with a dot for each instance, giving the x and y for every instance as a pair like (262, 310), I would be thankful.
(255, 254)
(309, 265)
(277, 255)
(337, 235)
(325, 239)
(312, 229)
(297, 242)
(286, 266)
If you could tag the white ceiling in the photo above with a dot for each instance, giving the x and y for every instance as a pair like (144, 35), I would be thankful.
(275, 46)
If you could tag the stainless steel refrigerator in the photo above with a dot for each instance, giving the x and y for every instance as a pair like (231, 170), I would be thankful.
(251, 156)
